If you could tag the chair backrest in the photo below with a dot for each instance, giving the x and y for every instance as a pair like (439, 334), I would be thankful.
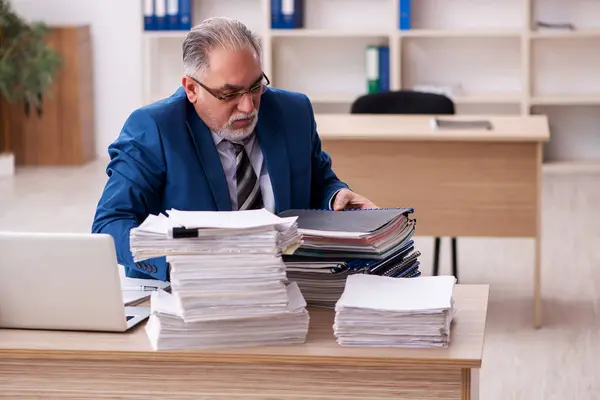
(403, 102)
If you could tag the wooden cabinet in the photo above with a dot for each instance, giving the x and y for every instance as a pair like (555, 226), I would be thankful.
(62, 131)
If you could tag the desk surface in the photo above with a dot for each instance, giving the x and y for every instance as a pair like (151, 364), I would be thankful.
(320, 348)
(418, 127)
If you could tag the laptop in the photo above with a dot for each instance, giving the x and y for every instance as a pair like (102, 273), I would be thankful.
(63, 281)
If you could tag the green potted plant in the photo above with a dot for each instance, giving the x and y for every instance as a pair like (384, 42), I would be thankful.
(28, 66)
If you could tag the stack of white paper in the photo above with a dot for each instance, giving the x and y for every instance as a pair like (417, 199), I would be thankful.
(228, 280)
(382, 311)
(207, 232)
(280, 326)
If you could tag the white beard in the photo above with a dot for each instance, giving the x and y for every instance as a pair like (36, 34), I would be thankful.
(238, 135)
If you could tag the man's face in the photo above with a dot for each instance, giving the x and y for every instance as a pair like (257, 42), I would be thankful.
(229, 72)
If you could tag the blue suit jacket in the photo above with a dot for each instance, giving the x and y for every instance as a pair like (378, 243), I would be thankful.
(165, 158)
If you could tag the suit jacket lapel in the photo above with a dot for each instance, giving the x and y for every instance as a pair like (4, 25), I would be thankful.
(209, 158)
(271, 137)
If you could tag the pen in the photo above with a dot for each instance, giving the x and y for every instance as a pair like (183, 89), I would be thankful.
(141, 288)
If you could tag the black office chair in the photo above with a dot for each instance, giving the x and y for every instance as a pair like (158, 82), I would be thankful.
(410, 102)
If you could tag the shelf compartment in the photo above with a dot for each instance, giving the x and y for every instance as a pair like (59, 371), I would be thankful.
(330, 69)
(466, 64)
(565, 69)
(250, 12)
(583, 14)
(349, 15)
(467, 14)
(574, 133)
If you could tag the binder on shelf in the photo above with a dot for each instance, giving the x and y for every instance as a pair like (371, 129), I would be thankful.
(149, 16)
(384, 68)
(404, 14)
(160, 14)
(372, 68)
(185, 15)
(173, 15)
(287, 14)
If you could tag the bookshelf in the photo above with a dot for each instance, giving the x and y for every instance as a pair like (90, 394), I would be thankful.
(489, 52)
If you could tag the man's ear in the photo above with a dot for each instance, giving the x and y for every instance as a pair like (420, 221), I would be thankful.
(190, 88)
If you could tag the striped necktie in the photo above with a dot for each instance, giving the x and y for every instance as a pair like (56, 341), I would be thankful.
(249, 196)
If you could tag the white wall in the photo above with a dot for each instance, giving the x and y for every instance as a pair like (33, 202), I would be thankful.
(117, 42)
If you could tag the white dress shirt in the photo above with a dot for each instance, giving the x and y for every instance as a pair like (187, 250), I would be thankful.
(227, 156)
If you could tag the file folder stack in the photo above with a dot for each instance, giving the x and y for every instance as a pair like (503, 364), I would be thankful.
(338, 244)
(228, 279)
(380, 311)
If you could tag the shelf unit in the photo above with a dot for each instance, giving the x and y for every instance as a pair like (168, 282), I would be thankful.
(490, 50)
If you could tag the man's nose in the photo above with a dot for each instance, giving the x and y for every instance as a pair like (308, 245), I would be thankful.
(246, 104)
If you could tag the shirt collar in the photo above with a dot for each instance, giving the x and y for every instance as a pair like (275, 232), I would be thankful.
(218, 139)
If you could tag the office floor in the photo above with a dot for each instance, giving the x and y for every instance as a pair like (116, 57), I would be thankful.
(560, 361)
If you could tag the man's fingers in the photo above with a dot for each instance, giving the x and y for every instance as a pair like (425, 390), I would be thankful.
(341, 200)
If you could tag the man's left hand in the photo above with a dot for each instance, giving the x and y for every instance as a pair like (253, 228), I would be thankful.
(346, 198)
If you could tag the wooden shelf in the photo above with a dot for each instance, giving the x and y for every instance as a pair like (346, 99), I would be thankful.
(558, 34)
(320, 33)
(488, 98)
(476, 33)
(567, 99)
(165, 34)
(333, 97)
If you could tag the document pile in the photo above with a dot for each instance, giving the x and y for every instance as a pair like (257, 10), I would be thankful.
(228, 280)
(380, 311)
(338, 244)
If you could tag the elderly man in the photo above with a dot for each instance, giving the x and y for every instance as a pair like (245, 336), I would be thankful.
(224, 140)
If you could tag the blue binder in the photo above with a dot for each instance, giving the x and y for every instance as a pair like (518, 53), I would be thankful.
(149, 16)
(384, 68)
(185, 15)
(160, 14)
(287, 14)
(404, 14)
(173, 15)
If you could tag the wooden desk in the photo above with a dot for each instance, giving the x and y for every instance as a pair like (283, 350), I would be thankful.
(460, 183)
(78, 365)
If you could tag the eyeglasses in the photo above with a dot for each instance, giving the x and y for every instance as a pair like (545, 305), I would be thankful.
(258, 88)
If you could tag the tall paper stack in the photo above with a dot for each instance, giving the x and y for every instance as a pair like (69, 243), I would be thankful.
(381, 311)
(227, 279)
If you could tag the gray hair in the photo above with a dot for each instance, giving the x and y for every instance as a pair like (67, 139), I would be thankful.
(215, 32)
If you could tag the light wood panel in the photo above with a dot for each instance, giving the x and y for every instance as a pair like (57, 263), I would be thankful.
(180, 380)
(456, 188)
(62, 133)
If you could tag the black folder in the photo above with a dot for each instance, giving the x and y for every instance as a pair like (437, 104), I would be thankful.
(350, 221)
